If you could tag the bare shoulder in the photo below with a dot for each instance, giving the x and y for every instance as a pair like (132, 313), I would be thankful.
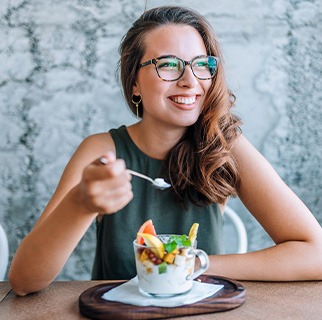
(94, 146)
(101, 140)
(258, 177)
(90, 149)
(243, 149)
(251, 163)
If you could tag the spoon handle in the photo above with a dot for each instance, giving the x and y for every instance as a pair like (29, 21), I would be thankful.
(134, 173)
(103, 160)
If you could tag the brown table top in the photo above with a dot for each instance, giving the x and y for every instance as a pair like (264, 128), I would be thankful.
(5, 288)
(264, 300)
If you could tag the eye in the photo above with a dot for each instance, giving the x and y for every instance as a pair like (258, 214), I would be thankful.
(201, 64)
(168, 64)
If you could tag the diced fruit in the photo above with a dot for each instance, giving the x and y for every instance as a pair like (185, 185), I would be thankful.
(144, 256)
(169, 258)
(162, 267)
(154, 244)
(147, 227)
(193, 233)
(175, 251)
(179, 260)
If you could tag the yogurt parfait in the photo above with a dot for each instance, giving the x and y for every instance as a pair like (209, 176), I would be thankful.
(165, 263)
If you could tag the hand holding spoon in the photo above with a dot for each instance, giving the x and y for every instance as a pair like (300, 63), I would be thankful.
(158, 183)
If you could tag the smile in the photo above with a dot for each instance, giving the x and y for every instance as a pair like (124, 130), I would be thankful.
(184, 100)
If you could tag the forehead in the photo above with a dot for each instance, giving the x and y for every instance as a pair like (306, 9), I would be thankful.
(174, 39)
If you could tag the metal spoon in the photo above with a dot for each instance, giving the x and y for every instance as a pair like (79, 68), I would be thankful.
(158, 183)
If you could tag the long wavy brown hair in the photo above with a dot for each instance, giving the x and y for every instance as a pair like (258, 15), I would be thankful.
(200, 166)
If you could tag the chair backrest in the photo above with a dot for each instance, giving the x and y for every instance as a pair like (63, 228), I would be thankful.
(235, 235)
(4, 253)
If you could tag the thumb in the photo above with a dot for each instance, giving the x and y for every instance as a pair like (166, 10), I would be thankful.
(108, 157)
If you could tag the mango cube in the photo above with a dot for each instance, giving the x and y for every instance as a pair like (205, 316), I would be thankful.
(144, 256)
(169, 258)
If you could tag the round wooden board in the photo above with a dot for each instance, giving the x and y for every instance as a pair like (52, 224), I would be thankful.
(93, 306)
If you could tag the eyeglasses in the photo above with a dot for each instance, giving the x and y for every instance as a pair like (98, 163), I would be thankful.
(171, 68)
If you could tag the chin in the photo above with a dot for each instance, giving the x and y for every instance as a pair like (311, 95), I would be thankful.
(187, 122)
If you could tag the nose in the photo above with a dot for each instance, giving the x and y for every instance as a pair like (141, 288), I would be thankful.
(188, 79)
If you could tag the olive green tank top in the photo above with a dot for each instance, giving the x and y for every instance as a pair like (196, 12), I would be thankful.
(114, 257)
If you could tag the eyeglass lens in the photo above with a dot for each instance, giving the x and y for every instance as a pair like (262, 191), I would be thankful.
(172, 68)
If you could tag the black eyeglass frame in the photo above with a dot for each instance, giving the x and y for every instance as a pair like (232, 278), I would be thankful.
(185, 63)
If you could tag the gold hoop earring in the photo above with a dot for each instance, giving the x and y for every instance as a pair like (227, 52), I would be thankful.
(139, 100)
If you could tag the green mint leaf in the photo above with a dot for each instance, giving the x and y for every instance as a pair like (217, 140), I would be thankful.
(186, 243)
(181, 240)
(169, 247)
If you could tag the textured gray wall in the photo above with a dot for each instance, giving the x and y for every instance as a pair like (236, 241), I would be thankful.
(57, 85)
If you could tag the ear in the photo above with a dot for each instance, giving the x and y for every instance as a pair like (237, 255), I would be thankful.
(135, 88)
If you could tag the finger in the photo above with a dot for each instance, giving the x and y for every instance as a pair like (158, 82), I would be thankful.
(116, 188)
(117, 203)
(107, 200)
(114, 173)
(108, 184)
(118, 166)
(107, 157)
(116, 169)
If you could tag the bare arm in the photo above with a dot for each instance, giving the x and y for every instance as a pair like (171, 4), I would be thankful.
(86, 189)
(297, 254)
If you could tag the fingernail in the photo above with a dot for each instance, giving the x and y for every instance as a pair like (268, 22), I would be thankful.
(104, 160)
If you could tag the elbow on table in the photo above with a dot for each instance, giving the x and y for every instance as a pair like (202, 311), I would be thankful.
(18, 291)
(21, 286)
(17, 285)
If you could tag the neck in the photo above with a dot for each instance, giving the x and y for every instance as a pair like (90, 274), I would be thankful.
(155, 141)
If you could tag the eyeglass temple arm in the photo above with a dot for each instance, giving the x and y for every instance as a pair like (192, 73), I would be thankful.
(146, 63)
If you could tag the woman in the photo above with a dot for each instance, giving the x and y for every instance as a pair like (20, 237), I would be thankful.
(173, 79)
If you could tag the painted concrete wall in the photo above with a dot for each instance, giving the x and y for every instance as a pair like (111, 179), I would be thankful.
(57, 85)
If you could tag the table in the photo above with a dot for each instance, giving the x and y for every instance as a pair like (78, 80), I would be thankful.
(264, 300)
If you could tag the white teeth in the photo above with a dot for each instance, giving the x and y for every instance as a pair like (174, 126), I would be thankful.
(184, 100)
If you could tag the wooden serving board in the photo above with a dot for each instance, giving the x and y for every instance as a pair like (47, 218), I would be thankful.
(93, 306)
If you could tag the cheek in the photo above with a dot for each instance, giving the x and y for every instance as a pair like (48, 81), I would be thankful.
(207, 86)
(154, 91)
(206, 89)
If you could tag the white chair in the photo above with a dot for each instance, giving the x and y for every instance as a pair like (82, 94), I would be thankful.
(235, 235)
(4, 253)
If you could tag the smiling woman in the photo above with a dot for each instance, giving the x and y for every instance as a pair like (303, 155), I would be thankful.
(188, 136)
(179, 101)
(180, 85)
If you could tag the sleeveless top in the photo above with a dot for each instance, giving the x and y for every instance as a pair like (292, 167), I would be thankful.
(114, 257)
